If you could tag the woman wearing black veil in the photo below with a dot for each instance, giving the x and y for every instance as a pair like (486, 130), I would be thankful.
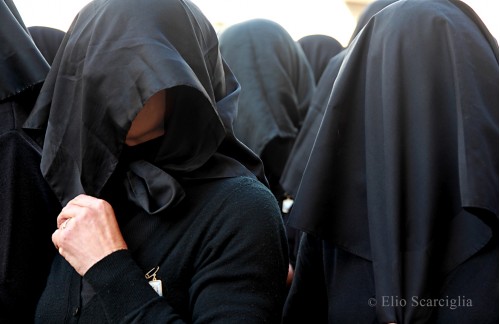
(277, 85)
(28, 207)
(136, 118)
(399, 198)
(319, 49)
(294, 167)
(297, 160)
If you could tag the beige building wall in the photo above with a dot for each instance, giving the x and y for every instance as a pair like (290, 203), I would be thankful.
(357, 6)
(300, 17)
(484, 8)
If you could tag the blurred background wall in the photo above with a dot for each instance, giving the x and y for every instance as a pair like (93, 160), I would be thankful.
(336, 18)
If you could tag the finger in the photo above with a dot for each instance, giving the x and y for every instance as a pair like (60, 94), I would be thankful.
(61, 219)
(95, 205)
(70, 211)
(55, 238)
(82, 200)
(65, 224)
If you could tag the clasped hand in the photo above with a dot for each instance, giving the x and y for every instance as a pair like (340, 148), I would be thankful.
(87, 231)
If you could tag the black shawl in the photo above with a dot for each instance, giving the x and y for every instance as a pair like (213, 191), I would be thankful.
(296, 163)
(47, 40)
(319, 49)
(404, 168)
(28, 208)
(276, 79)
(21, 64)
(294, 167)
(116, 55)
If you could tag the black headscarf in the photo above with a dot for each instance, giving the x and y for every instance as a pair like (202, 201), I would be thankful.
(405, 166)
(296, 163)
(294, 168)
(277, 81)
(116, 55)
(21, 64)
(47, 40)
(27, 206)
(319, 49)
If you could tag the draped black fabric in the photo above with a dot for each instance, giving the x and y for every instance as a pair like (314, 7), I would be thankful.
(28, 208)
(277, 85)
(299, 155)
(276, 79)
(319, 49)
(109, 64)
(294, 167)
(21, 64)
(297, 161)
(47, 40)
(404, 168)
(27, 220)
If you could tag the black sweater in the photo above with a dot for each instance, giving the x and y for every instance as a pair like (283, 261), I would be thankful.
(222, 258)
(28, 211)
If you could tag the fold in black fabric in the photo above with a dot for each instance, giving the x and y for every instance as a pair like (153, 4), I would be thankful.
(277, 85)
(299, 155)
(22, 66)
(47, 40)
(144, 182)
(277, 81)
(405, 164)
(106, 69)
(28, 208)
(296, 163)
(319, 49)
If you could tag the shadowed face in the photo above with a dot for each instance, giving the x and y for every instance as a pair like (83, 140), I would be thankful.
(150, 121)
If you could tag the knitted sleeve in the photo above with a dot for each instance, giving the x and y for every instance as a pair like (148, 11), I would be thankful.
(239, 268)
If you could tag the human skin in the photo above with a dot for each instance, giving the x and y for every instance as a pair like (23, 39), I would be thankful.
(150, 121)
(87, 230)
